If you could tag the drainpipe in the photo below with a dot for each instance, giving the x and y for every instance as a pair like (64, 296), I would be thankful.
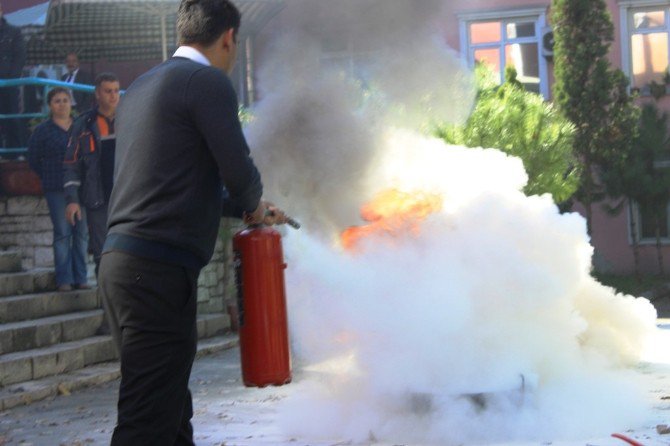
(250, 90)
(164, 35)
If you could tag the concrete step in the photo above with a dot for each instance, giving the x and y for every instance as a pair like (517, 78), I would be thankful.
(64, 357)
(26, 282)
(63, 384)
(10, 261)
(43, 332)
(53, 345)
(210, 325)
(34, 306)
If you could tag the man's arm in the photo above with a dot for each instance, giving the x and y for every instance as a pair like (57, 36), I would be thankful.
(214, 104)
(72, 167)
(72, 163)
(35, 154)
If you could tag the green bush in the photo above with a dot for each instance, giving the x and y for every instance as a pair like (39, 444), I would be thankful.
(522, 124)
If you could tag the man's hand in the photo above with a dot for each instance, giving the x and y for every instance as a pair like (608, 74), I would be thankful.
(267, 214)
(274, 215)
(73, 213)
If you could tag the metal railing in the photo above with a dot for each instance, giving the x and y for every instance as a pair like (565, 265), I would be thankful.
(47, 84)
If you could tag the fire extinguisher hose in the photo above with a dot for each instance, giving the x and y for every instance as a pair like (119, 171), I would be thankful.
(627, 440)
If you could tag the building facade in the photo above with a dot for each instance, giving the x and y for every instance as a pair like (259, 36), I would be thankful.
(518, 32)
(500, 33)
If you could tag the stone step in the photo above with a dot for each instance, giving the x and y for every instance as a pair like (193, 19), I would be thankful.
(64, 357)
(210, 325)
(26, 282)
(43, 332)
(72, 354)
(62, 384)
(10, 262)
(34, 306)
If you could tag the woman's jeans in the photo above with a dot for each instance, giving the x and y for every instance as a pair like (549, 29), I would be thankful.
(70, 242)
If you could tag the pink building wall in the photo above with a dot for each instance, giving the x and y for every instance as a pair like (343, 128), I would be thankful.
(610, 239)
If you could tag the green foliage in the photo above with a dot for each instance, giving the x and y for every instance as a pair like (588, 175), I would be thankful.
(589, 93)
(636, 176)
(657, 90)
(485, 78)
(635, 286)
(522, 124)
(245, 115)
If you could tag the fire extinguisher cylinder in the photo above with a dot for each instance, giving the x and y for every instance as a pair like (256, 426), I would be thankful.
(261, 302)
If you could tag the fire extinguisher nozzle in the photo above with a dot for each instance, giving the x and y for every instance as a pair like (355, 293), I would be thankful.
(289, 220)
(292, 223)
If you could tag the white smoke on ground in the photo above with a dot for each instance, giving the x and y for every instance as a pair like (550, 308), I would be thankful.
(493, 296)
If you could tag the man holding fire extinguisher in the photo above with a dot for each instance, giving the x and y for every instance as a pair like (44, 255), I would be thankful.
(179, 141)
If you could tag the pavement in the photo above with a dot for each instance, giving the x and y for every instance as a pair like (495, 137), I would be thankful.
(228, 414)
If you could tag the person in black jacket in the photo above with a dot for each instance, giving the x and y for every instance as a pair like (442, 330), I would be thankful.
(179, 142)
(88, 167)
(81, 101)
(12, 58)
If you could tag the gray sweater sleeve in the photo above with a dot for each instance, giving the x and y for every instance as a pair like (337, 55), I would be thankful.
(213, 102)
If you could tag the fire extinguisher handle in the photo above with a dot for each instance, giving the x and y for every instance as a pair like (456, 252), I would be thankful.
(289, 221)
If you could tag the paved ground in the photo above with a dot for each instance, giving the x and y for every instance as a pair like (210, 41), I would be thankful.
(228, 414)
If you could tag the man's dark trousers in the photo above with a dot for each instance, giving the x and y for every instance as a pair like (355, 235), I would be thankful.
(97, 231)
(152, 313)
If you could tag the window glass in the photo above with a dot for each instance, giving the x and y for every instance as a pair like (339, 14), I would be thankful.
(648, 19)
(524, 57)
(491, 58)
(648, 223)
(520, 29)
(509, 41)
(485, 32)
(649, 57)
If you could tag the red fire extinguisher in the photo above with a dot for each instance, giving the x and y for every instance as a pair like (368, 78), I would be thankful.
(261, 306)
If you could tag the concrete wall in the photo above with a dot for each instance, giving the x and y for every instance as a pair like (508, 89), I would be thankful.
(25, 227)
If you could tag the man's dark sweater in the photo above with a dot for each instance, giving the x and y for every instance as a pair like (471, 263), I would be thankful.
(179, 141)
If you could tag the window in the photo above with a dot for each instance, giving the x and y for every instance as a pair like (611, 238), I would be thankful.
(648, 44)
(344, 53)
(646, 225)
(507, 39)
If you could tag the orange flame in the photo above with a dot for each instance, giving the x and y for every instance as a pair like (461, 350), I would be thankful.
(392, 212)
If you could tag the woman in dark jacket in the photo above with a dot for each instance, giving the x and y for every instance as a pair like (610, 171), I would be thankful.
(46, 150)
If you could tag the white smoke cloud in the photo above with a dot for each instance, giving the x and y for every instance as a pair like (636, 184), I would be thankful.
(483, 327)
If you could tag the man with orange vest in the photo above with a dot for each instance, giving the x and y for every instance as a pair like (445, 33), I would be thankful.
(89, 164)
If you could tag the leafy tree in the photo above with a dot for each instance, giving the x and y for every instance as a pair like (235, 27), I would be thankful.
(638, 178)
(589, 93)
(522, 124)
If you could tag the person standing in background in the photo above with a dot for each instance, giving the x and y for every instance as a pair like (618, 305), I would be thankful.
(81, 101)
(46, 150)
(88, 166)
(12, 59)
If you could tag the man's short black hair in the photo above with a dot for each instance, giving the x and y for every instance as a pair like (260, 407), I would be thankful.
(105, 77)
(203, 21)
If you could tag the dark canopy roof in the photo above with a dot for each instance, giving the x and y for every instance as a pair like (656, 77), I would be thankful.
(123, 30)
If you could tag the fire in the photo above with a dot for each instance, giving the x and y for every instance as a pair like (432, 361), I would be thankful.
(392, 212)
